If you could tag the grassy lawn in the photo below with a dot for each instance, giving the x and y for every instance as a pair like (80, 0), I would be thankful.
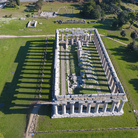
(126, 63)
(95, 134)
(15, 26)
(19, 81)
(20, 60)
(96, 82)
(45, 123)
(129, 5)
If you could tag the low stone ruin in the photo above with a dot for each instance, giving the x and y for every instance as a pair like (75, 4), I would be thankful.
(48, 14)
(32, 23)
(71, 21)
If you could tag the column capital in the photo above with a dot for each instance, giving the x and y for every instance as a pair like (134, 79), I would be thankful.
(108, 101)
(125, 100)
(72, 102)
(98, 102)
(63, 103)
(55, 103)
(116, 101)
(89, 103)
(81, 102)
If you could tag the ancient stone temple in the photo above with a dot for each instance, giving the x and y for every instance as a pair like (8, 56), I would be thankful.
(77, 89)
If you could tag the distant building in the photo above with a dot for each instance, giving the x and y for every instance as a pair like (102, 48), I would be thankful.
(3, 1)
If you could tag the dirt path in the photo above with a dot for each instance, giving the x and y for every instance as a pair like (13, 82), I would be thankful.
(14, 36)
(114, 39)
(32, 121)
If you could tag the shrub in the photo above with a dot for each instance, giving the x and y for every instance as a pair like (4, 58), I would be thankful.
(131, 45)
(123, 33)
(133, 35)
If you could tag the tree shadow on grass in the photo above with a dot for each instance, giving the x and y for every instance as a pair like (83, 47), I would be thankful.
(30, 8)
(23, 90)
(106, 25)
(125, 54)
(134, 82)
(117, 37)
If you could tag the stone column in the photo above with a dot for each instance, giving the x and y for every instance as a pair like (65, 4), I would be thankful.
(63, 108)
(97, 107)
(108, 75)
(81, 38)
(104, 64)
(72, 107)
(102, 57)
(113, 86)
(76, 39)
(105, 106)
(62, 36)
(120, 109)
(90, 39)
(80, 107)
(72, 41)
(85, 37)
(116, 88)
(113, 106)
(87, 43)
(66, 42)
(55, 109)
(88, 108)
(111, 82)
(106, 68)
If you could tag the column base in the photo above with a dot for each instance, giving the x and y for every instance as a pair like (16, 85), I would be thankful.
(84, 114)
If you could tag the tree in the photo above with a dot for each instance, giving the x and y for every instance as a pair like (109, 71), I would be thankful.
(136, 18)
(132, 17)
(122, 18)
(131, 45)
(114, 9)
(112, 1)
(133, 35)
(114, 24)
(96, 14)
(91, 10)
(18, 2)
(123, 33)
(105, 7)
(38, 5)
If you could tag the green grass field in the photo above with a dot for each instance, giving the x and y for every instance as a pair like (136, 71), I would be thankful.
(126, 64)
(20, 81)
(45, 123)
(95, 134)
(20, 60)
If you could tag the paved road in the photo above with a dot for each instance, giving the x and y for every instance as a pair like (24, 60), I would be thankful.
(63, 79)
